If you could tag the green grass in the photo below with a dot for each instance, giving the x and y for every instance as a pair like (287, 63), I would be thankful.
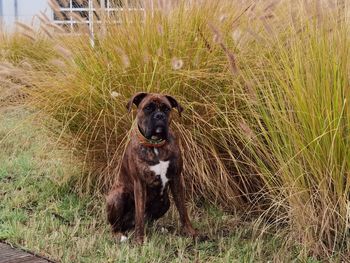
(41, 211)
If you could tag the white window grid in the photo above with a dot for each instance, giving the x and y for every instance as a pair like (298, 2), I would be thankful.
(91, 9)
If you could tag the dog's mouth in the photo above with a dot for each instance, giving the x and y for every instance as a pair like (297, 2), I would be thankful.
(159, 133)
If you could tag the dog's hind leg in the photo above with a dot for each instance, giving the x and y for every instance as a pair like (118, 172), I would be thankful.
(120, 211)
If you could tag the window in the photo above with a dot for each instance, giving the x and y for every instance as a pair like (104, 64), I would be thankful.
(73, 13)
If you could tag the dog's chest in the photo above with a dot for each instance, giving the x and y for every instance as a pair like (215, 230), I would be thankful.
(159, 170)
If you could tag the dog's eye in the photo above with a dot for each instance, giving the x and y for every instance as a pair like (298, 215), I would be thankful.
(164, 108)
(150, 107)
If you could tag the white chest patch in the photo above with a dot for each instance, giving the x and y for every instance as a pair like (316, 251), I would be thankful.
(161, 169)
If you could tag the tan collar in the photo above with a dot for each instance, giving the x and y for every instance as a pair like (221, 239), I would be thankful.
(149, 142)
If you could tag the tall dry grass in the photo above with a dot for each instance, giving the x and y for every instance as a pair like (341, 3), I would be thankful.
(265, 86)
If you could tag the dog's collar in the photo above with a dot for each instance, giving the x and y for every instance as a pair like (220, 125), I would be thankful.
(149, 142)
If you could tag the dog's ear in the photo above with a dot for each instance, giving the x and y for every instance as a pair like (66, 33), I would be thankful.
(136, 99)
(175, 104)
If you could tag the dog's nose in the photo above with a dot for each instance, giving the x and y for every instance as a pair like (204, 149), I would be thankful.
(159, 116)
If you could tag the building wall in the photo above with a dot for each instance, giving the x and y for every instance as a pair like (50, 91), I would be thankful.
(26, 10)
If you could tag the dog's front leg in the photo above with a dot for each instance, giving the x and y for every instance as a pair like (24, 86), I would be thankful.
(140, 203)
(177, 190)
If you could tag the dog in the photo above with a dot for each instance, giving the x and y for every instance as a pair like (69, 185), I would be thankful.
(151, 164)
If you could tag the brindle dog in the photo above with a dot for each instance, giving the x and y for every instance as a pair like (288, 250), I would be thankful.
(152, 163)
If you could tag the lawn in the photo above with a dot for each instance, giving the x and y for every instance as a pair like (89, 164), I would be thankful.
(43, 212)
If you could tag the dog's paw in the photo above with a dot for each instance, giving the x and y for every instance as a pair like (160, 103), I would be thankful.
(120, 237)
(190, 231)
(163, 230)
(139, 240)
(123, 238)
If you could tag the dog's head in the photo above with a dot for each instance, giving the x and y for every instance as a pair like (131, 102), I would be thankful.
(153, 113)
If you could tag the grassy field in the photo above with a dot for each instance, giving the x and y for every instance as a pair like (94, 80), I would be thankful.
(265, 131)
(41, 211)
